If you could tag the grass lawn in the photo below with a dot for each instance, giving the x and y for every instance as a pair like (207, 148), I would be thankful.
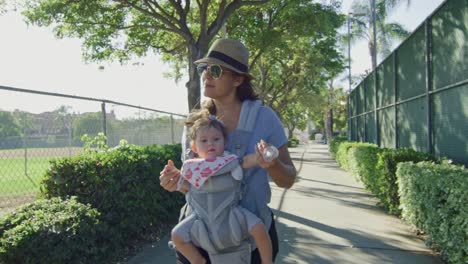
(13, 177)
(16, 178)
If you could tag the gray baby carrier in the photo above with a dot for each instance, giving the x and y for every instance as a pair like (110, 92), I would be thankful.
(220, 225)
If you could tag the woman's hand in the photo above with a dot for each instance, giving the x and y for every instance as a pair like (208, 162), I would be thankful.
(264, 159)
(281, 169)
(169, 177)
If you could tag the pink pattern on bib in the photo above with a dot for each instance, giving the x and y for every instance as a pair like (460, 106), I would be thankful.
(197, 171)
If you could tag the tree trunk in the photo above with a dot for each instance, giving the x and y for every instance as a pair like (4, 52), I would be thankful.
(371, 51)
(193, 85)
(329, 114)
(329, 124)
(290, 133)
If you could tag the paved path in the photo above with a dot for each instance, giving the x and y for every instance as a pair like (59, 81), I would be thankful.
(327, 217)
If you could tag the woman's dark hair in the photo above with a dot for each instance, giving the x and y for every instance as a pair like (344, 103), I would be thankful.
(245, 91)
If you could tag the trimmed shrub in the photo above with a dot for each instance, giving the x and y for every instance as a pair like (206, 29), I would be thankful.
(53, 231)
(122, 184)
(386, 181)
(334, 145)
(362, 163)
(344, 157)
(434, 199)
(293, 142)
(342, 153)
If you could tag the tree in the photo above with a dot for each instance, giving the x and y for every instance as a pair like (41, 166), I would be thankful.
(294, 54)
(340, 114)
(295, 116)
(63, 119)
(126, 29)
(292, 47)
(361, 26)
(88, 123)
(9, 127)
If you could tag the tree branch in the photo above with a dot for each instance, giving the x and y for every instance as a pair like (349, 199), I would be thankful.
(154, 13)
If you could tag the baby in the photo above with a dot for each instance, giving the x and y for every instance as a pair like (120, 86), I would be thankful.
(229, 224)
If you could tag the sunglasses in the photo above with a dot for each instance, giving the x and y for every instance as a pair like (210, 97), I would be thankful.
(214, 70)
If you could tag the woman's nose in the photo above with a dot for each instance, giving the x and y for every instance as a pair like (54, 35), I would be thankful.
(207, 74)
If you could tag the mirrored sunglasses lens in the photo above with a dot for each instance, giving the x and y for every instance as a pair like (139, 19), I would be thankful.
(201, 68)
(215, 71)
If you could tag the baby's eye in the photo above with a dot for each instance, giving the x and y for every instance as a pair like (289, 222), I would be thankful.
(204, 140)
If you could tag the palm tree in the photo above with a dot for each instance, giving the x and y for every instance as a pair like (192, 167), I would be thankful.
(361, 26)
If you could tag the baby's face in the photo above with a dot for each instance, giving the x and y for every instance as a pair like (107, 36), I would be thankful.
(209, 143)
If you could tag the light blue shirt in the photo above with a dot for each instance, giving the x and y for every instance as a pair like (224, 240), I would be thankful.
(258, 193)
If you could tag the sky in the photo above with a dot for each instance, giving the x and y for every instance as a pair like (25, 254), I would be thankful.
(32, 58)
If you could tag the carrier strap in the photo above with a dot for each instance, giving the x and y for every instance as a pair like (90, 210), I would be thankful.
(248, 115)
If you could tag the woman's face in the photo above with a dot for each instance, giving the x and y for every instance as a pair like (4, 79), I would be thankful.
(209, 143)
(223, 87)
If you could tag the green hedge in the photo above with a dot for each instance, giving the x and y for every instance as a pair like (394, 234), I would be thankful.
(346, 159)
(123, 198)
(342, 154)
(54, 231)
(362, 160)
(376, 168)
(434, 199)
(122, 184)
(334, 144)
(386, 186)
(293, 142)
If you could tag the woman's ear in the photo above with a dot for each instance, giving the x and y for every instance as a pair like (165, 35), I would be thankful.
(238, 80)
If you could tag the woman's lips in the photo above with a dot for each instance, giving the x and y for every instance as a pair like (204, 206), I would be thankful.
(209, 86)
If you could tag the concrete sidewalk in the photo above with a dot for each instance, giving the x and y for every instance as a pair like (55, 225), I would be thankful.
(327, 217)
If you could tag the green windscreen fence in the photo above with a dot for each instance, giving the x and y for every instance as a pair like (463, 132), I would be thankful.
(418, 96)
(412, 125)
(450, 124)
(411, 73)
(386, 83)
(450, 67)
(387, 120)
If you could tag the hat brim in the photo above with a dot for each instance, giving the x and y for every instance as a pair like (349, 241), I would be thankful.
(209, 60)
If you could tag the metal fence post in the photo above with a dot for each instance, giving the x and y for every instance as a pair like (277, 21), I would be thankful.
(364, 110)
(429, 84)
(25, 144)
(395, 94)
(172, 129)
(104, 122)
(70, 144)
(376, 117)
(348, 108)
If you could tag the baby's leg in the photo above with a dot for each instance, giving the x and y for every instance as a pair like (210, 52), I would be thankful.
(188, 250)
(262, 239)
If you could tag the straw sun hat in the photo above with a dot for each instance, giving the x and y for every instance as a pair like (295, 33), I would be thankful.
(229, 53)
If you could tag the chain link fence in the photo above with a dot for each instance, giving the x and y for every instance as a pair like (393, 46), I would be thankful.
(418, 97)
(29, 140)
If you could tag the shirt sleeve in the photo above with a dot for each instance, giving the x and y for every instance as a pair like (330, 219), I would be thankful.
(274, 127)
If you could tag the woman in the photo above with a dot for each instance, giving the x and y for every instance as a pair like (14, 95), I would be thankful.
(227, 82)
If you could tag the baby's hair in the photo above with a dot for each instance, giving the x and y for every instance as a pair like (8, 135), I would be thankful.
(203, 119)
